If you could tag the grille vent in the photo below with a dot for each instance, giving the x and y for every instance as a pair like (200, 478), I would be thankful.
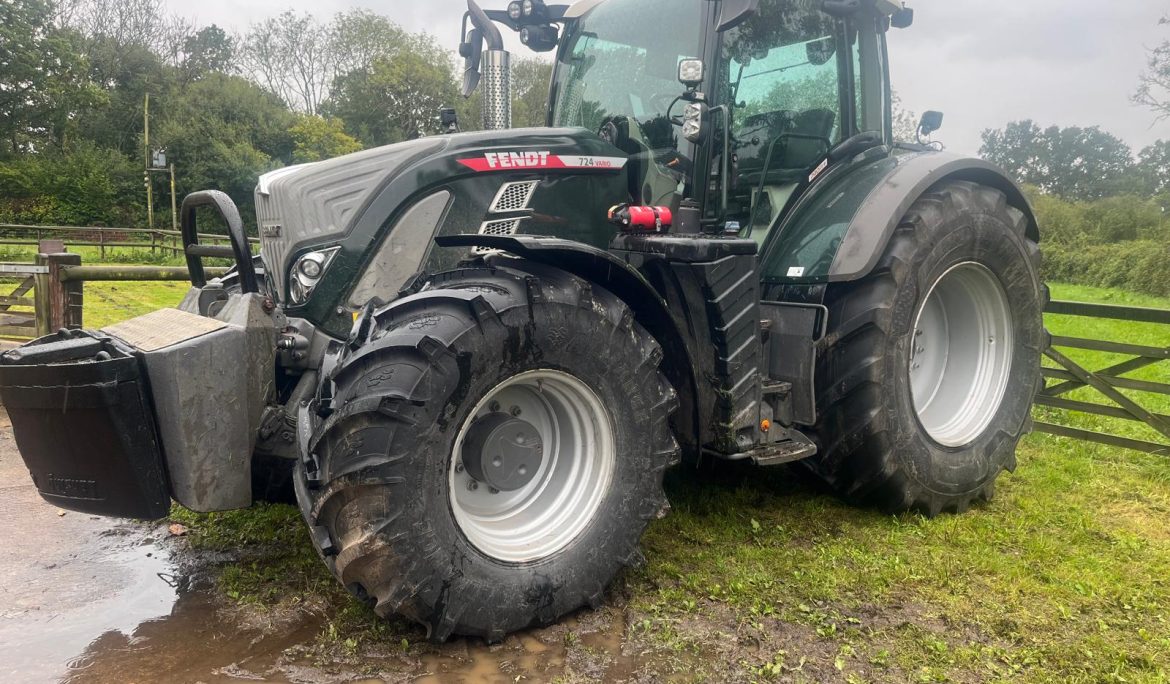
(503, 227)
(514, 197)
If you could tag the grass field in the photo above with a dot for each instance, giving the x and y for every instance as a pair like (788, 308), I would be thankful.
(761, 575)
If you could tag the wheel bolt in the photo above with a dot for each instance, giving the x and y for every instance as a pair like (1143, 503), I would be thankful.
(494, 406)
(915, 367)
(918, 333)
(458, 467)
(472, 486)
(515, 411)
(920, 350)
(493, 490)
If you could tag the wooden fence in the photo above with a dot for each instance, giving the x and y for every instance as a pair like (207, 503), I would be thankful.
(164, 242)
(56, 284)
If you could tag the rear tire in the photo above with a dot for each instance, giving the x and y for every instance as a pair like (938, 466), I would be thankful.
(959, 276)
(386, 502)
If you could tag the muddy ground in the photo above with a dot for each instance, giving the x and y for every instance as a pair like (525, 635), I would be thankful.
(88, 599)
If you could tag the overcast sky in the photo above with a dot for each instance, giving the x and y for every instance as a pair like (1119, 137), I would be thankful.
(982, 62)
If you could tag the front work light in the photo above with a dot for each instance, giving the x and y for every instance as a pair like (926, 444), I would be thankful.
(529, 8)
(540, 38)
(690, 72)
(695, 121)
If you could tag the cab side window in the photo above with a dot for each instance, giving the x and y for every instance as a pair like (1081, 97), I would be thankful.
(782, 71)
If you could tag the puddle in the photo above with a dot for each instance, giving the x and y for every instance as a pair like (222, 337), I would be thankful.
(199, 642)
(107, 591)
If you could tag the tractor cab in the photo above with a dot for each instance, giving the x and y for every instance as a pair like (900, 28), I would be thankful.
(771, 88)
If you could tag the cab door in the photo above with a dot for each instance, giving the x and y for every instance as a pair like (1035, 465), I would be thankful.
(798, 82)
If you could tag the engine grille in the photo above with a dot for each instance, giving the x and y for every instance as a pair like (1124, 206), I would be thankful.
(500, 227)
(514, 197)
(319, 203)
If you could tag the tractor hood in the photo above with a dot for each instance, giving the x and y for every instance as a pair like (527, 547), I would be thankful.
(351, 202)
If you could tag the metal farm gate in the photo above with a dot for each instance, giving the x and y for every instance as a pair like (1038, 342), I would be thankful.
(1107, 382)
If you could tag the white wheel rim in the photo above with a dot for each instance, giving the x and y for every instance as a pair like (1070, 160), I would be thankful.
(961, 354)
(579, 458)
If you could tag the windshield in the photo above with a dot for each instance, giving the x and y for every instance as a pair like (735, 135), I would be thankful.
(618, 74)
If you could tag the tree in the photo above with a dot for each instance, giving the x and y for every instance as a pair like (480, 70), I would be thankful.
(1075, 163)
(289, 55)
(530, 86)
(1153, 172)
(315, 138)
(43, 81)
(1154, 91)
(223, 132)
(359, 38)
(905, 121)
(209, 50)
(398, 99)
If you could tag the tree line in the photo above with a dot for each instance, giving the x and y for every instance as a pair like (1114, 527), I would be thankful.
(74, 76)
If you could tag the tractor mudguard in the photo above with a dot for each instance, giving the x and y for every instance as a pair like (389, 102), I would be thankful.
(839, 232)
(624, 281)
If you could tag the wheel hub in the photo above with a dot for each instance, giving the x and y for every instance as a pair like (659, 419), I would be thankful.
(556, 448)
(503, 452)
(961, 354)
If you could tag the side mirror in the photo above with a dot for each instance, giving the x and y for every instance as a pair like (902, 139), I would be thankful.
(735, 12)
(903, 18)
(691, 72)
(472, 52)
(696, 120)
(931, 122)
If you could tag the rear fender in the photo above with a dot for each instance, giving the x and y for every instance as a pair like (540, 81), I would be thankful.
(841, 231)
(628, 284)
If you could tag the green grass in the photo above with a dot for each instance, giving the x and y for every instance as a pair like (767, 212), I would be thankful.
(109, 303)
(761, 575)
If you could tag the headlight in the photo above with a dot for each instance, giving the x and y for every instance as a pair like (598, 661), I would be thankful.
(515, 11)
(307, 272)
(529, 7)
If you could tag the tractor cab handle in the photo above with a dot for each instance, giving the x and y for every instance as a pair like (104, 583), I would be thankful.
(195, 252)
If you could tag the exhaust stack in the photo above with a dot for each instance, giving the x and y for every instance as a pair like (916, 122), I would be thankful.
(492, 67)
(497, 90)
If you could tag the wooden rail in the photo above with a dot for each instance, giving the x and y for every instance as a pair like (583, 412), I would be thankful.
(56, 283)
(160, 241)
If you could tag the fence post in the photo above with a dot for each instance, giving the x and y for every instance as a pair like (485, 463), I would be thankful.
(102, 243)
(152, 242)
(41, 298)
(61, 302)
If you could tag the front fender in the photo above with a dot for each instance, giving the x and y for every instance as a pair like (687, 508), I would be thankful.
(840, 233)
(625, 282)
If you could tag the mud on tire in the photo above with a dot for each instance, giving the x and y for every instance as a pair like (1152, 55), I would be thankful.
(377, 492)
(874, 449)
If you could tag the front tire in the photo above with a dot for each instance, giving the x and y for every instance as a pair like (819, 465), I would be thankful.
(531, 373)
(931, 363)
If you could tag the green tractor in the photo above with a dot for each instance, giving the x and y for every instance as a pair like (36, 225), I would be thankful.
(474, 355)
